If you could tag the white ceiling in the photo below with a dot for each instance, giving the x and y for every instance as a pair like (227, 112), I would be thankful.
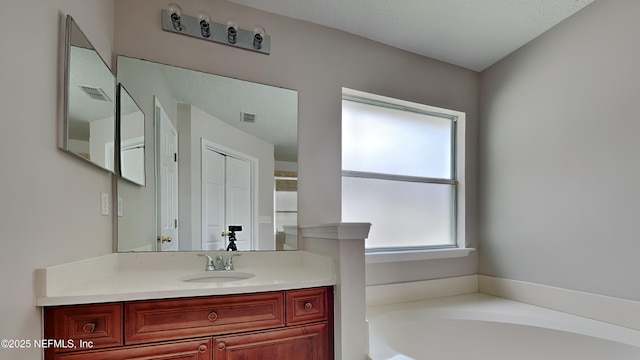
(470, 33)
(276, 109)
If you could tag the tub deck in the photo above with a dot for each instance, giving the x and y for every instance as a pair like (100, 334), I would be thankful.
(487, 327)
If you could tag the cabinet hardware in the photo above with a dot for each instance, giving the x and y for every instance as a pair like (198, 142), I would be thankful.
(213, 316)
(89, 328)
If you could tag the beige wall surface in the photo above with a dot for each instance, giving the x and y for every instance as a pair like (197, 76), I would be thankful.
(317, 62)
(559, 147)
(49, 200)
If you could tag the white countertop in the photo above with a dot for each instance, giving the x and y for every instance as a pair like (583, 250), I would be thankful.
(140, 276)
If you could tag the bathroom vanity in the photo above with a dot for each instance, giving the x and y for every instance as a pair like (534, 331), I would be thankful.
(126, 310)
(291, 324)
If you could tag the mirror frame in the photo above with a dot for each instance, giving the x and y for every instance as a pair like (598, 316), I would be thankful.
(119, 140)
(63, 132)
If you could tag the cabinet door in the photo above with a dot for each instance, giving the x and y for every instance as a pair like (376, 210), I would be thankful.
(195, 349)
(295, 343)
(97, 324)
(307, 305)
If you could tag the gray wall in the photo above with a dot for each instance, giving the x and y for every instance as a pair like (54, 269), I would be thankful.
(559, 146)
(49, 200)
(316, 61)
(50, 211)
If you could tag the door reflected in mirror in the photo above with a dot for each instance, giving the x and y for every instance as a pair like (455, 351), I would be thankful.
(225, 155)
(88, 128)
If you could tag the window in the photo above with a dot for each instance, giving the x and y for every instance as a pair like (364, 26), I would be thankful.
(403, 171)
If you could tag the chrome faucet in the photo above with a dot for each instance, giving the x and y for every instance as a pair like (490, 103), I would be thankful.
(210, 265)
(219, 263)
(228, 265)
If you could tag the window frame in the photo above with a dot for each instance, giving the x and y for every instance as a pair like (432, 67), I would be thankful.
(458, 127)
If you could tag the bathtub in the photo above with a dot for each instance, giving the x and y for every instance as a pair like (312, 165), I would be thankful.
(478, 326)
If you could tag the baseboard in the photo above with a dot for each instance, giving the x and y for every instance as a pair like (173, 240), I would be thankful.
(611, 310)
(421, 290)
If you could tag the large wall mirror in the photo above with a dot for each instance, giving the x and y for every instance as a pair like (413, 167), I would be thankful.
(88, 130)
(223, 152)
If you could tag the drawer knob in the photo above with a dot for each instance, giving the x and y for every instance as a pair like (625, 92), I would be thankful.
(202, 348)
(308, 306)
(89, 328)
(213, 316)
(221, 345)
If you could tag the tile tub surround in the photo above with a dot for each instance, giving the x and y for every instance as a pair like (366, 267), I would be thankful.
(137, 276)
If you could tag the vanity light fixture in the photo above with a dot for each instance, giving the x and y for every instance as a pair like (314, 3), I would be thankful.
(205, 28)
(175, 12)
(201, 27)
(258, 37)
(232, 32)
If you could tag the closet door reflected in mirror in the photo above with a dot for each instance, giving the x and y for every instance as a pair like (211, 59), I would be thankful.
(88, 123)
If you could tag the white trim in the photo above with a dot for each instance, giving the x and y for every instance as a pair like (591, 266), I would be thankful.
(337, 231)
(421, 290)
(461, 196)
(405, 103)
(460, 162)
(132, 143)
(109, 160)
(611, 310)
(415, 255)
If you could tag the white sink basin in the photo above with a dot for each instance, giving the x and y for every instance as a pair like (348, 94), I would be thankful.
(216, 276)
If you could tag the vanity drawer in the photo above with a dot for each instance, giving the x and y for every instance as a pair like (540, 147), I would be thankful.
(192, 349)
(100, 324)
(157, 320)
(307, 305)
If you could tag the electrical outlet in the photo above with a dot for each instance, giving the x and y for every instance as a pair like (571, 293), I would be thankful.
(104, 203)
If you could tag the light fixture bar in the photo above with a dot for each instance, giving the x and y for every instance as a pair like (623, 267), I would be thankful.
(190, 26)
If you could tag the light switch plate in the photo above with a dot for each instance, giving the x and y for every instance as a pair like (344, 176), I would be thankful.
(104, 203)
(263, 219)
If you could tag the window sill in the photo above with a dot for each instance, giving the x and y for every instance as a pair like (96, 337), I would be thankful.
(398, 256)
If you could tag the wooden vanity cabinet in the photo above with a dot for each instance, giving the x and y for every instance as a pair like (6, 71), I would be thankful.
(159, 320)
(77, 326)
(193, 349)
(291, 324)
(307, 342)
